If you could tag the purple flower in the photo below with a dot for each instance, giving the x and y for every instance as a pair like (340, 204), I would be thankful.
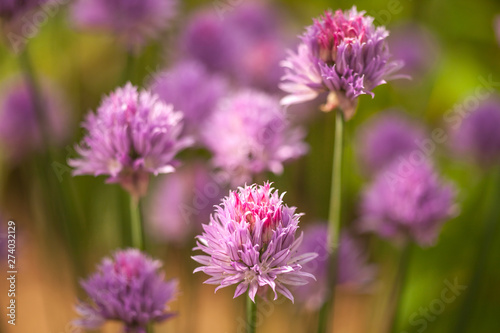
(259, 64)
(256, 19)
(343, 53)
(207, 40)
(249, 134)
(128, 288)
(263, 45)
(132, 135)
(213, 37)
(478, 135)
(250, 241)
(387, 137)
(20, 131)
(246, 44)
(352, 270)
(132, 21)
(407, 204)
(181, 203)
(190, 88)
(417, 47)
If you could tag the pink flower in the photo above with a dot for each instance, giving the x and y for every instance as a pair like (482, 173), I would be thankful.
(248, 134)
(132, 135)
(342, 53)
(251, 241)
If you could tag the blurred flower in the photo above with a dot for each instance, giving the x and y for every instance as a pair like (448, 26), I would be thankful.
(132, 135)
(352, 270)
(479, 135)
(263, 48)
(128, 288)
(250, 241)
(181, 203)
(387, 137)
(190, 88)
(246, 44)
(343, 53)
(407, 205)
(416, 47)
(259, 64)
(134, 22)
(207, 40)
(249, 134)
(20, 130)
(256, 19)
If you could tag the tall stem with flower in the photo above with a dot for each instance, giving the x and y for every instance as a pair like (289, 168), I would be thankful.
(344, 54)
(251, 242)
(132, 135)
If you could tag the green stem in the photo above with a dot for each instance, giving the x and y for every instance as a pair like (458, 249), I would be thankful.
(336, 185)
(251, 315)
(484, 248)
(326, 311)
(398, 288)
(323, 317)
(136, 225)
(124, 211)
(57, 199)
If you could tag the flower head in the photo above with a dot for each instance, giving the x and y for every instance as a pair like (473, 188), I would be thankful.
(263, 45)
(20, 130)
(132, 135)
(249, 134)
(256, 19)
(353, 269)
(132, 21)
(387, 137)
(407, 204)
(128, 288)
(478, 136)
(189, 87)
(245, 45)
(342, 53)
(207, 40)
(250, 241)
(417, 47)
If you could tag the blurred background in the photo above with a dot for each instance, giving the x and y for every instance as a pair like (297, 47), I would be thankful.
(66, 224)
